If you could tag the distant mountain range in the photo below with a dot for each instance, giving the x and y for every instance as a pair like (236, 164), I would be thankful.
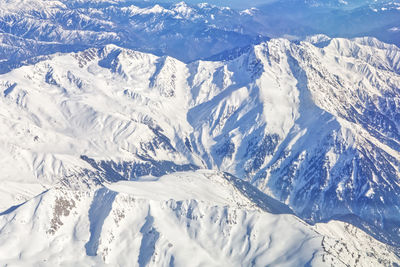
(32, 28)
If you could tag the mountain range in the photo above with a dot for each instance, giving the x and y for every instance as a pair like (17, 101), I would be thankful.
(148, 133)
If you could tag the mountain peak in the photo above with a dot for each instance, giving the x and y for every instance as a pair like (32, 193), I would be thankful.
(30, 5)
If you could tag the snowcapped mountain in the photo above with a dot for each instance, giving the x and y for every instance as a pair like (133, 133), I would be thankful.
(43, 27)
(123, 127)
(186, 32)
(347, 19)
(312, 124)
(183, 219)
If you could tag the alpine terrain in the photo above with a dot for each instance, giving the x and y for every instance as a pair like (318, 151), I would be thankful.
(142, 134)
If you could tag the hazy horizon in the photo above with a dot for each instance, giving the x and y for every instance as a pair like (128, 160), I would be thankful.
(236, 4)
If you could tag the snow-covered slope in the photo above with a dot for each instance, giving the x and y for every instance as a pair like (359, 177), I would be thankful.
(184, 219)
(314, 125)
(92, 104)
(318, 128)
(100, 100)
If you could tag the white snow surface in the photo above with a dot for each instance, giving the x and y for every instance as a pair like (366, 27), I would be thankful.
(122, 106)
(146, 224)
(186, 186)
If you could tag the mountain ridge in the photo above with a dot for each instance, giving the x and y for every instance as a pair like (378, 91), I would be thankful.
(159, 226)
(235, 116)
(46, 27)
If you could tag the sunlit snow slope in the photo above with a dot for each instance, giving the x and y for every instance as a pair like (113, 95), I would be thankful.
(202, 218)
(313, 124)
(316, 127)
